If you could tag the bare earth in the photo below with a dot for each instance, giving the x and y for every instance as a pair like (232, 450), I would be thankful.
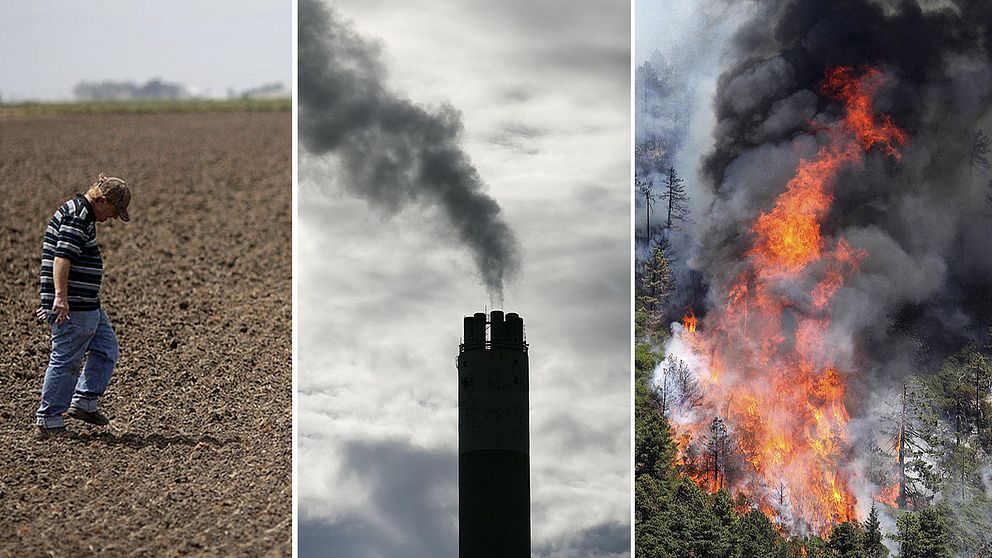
(197, 459)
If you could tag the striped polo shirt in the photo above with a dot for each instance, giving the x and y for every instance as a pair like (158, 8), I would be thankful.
(71, 234)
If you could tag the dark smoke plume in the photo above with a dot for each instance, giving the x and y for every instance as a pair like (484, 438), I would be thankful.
(392, 152)
(923, 221)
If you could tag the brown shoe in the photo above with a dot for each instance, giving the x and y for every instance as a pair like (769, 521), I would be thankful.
(92, 417)
(42, 433)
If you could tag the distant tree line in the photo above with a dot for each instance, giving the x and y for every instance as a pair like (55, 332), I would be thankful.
(128, 91)
(274, 90)
(157, 89)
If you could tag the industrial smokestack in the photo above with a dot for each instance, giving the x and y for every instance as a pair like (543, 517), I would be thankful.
(493, 438)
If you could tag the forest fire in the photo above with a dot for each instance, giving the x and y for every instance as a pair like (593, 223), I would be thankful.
(770, 419)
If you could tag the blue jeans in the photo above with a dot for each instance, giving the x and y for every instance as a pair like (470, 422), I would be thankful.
(86, 332)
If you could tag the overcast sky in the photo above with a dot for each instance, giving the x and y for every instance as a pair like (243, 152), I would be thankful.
(543, 89)
(48, 46)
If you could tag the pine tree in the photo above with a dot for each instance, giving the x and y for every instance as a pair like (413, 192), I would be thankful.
(690, 395)
(980, 368)
(922, 535)
(717, 448)
(873, 547)
(913, 426)
(847, 540)
(901, 452)
(933, 535)
(675, 199)
(645, 81)
(654, 449)
(657, 285)
(756, 536)
(908, 535)
(723, 509)
(951, 393)
(653, 445)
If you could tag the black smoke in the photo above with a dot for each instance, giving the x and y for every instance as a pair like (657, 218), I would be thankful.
(923, 221)
(392, 152)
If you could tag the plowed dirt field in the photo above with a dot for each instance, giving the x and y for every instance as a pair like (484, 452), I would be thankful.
(197, 458)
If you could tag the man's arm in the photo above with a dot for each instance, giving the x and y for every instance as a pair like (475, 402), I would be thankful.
(60, 274)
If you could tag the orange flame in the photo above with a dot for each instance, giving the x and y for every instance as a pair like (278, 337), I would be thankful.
(689, 321)
(774, 378)
(889, 495)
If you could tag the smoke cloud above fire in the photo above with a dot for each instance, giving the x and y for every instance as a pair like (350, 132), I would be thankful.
(906, 230)
(392, 152)
(923, 221)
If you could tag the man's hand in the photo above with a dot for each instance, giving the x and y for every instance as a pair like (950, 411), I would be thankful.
(61, 309)
(60, 273)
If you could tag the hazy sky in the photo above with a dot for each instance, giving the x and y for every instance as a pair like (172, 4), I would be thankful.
(661, 25)
(694, 36)
(48, 46)
(543, 90)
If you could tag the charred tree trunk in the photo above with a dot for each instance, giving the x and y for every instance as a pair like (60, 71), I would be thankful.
(647, 220)
(901, 452)
(978, 404)
(671, 200)
(716, 468)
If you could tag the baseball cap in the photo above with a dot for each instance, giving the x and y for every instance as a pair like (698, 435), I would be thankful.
(116, 192)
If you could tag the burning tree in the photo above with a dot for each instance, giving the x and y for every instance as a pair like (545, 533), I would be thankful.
(904, 468)
(677, 391)
(717, 448)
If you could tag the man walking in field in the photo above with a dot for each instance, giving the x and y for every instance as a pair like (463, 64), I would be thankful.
(71, 272)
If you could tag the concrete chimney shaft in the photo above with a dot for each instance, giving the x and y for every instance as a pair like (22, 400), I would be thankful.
(493, 439)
